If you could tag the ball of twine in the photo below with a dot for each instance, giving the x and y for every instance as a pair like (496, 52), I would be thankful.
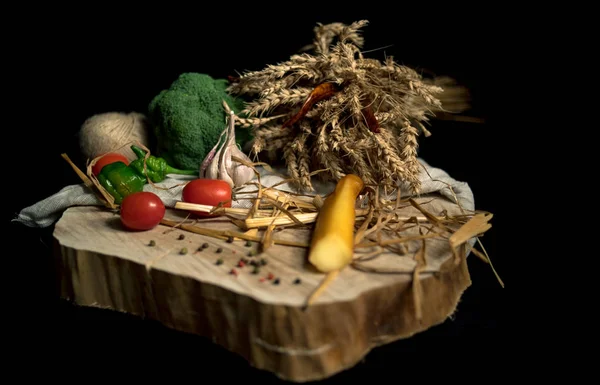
(109, 131)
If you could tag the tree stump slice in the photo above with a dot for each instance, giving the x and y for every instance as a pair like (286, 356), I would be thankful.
(100, 264)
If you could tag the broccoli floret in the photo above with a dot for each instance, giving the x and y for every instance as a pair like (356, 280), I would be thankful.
(189, 117)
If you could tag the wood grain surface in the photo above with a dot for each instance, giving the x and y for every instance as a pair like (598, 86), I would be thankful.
(257, 313)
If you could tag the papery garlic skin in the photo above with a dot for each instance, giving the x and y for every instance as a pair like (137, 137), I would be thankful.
(218, 164)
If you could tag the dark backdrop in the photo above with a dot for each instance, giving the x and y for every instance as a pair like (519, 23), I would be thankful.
(70, 65)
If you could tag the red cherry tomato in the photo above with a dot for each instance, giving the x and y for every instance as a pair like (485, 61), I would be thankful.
(209, 192)
(108, 159)
(142, 211)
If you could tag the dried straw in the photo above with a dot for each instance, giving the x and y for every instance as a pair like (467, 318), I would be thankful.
(369, 126)
(383, 224)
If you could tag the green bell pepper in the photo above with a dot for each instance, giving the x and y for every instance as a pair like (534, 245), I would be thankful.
(120, 180)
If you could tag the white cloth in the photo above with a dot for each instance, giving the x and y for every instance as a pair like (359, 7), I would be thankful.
(45, 212)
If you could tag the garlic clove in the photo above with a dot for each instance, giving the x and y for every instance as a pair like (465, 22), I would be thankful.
(211, 155)
(225, 167)
(241, 173)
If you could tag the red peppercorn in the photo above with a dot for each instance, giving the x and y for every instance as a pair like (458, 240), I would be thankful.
(270, 276)
(233, 272)
(262, 279)
(241, 263)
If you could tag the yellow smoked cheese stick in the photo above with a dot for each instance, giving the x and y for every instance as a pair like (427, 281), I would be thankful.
(332, 244)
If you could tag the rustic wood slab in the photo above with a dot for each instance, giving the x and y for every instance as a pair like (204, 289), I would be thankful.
(101, 264)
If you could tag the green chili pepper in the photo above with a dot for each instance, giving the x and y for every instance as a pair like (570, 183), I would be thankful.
(121, 180)
(157, 168)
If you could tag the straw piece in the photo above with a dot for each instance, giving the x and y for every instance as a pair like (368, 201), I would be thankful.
(417, 288)
(209, 209)
(225, 234)
(474, 227)
(321, 288)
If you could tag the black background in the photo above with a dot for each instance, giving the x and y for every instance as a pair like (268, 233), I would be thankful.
(70, 64)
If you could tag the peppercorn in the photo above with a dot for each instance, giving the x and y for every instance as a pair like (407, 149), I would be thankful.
(297, 281)
(152, 243)
(183, 251)
(220, 250)
(248, 244)
(181, 236)
(256, 270)
(199, 249)
(241, 263)
(219, 261)
(254, 263)
(276, 282)
(233, 272)
(263, 262)
(204, 245)
(252, 253)
(270, 276)
(230, 239)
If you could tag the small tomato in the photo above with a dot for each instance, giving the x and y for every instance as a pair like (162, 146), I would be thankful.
(209, 192)
(142, 211)
(109, 158)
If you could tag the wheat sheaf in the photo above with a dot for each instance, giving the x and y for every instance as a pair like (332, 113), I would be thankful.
(334, 109)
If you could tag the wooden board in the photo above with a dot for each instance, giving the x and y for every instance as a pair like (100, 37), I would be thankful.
(101, 264)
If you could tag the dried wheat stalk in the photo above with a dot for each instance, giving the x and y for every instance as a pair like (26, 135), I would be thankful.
(369, 127)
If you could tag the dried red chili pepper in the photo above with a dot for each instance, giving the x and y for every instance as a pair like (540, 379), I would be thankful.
(372, 122)
(320, 92)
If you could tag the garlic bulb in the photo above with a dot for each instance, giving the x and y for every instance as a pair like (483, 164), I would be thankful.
(218, 164)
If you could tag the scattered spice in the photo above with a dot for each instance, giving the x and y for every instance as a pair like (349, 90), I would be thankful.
(230, 239)
(263, 262)
(204, 245)
(219, 261)
(220, 250)
(262, 279)
(254, 263)
(152, 243)
(252, 253)
(276, 282)
(199, 249)
(248, 244)
(270, 276)
(256, 270)
(181, 236)
(234, 272)
(297, 281)
(183, 251)
(241, 263)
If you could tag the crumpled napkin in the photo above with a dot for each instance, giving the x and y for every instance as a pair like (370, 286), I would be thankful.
(47, 211)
